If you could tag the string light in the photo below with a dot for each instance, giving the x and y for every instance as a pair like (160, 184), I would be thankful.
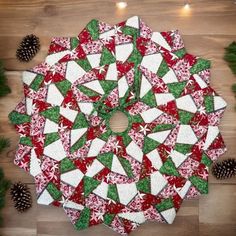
(121, 5)
(186, 9)
(187, 6)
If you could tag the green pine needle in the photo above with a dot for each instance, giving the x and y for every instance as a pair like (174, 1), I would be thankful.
(4, 89)
(4, 143)
(230, 56)
(4, 186)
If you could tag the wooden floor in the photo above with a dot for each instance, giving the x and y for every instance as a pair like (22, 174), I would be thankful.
(206, 29)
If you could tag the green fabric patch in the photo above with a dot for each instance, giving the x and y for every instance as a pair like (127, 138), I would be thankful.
(164, 205)
(149, 145)
(185, 117)
(163, 127)
(17, 118)
(93, 29)
(200, 65)
(52, 114)
(126, 139)
(163, 69)
(169, 168)
(200, 184)
(130, 31)
(84, 63)
(177, 88)
(106, 159)
(66, 165)
(89, 185)
(183, 148)
(107, 85)
(112, 192)
(144, 185)
(108, 218)
(26, 141)
(50, 138)
(79, 144)
(135, 56)
(54, 192)
(180, 53)
(209, 103)
(137, 119)
(87, 91)
(127, 167)
(105, 136)
(107, 57)
(80, 121)
(63, 86)
(84, 218)
(74, 42)
(206, 160)
(35, 85)
(149, 99)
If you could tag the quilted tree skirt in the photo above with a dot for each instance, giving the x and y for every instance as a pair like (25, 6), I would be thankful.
(120, 179)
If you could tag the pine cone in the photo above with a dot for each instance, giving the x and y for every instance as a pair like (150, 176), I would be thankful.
(21, 196)
(225, 169)
(28, 48)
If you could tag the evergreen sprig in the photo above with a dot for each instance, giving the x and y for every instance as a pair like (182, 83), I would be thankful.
(4, 186)
(4, 88)
(4, 143)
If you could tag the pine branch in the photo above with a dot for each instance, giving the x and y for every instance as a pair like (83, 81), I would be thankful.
(4, 143)
(230, 56)
(4, 88)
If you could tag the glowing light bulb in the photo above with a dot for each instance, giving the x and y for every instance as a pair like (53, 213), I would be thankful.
(187, 6)
(121, 5)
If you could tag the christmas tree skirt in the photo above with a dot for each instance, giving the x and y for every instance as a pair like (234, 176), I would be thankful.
(120, 179)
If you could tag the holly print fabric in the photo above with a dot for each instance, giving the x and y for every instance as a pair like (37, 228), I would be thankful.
(120, 179)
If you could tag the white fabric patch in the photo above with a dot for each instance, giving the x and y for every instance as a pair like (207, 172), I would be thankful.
(152, 62)
(28, 77)
(155, 159)
(160, 136)
(122, 86)
(156, 177)
(54, 96)
(29, 107)
(212, 133)
(55, 150)
(86, 107)
(137, 217)
(95, 86)
(94, 60)
(186, 135)
(94, 168)
(76, 134)
(169, 77)
(50, 127)
(74, 71)
(178, 158)
(73, 205)
(55, 57)
(72, 177)
(145, 86)
(200, 81)
(219, 103)
(95, 147)
(101, 190)
(159, 39)
(108, 34)
(126, 192)
(163, 98)
(68, 113)
(133, 22)
(117, 167)
(135, 151)
(111, 72)
(123, 51)
(183, 191)
(45, 198)
(151, 114)
(169, 215)
(35, 168)
(186, 103)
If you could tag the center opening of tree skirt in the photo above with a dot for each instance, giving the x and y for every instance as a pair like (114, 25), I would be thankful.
(118, 122)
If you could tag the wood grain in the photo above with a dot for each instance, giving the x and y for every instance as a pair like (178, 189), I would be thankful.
(208, 28)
